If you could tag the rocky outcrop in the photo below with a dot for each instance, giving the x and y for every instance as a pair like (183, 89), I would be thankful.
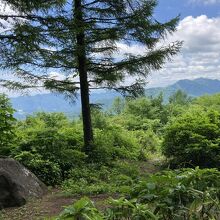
(18, 184)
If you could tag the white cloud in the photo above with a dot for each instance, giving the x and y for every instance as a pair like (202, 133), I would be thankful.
(5, 9)
(130, 49)
(199, 56)
(205, 2)
(57, 76)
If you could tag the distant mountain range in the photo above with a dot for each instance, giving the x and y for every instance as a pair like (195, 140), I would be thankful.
(194, 88)
(26, 105)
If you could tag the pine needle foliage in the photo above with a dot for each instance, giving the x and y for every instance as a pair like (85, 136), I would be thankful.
(81, 41)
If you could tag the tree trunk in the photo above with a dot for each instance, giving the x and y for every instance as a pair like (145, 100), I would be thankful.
(84, 86)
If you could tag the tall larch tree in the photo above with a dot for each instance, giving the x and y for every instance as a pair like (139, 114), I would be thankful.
(81, 40)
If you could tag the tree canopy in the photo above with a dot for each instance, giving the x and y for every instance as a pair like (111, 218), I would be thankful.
(81, 41)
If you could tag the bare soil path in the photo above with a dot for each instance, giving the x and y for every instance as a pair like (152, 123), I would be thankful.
(49, 206)
(54, 202)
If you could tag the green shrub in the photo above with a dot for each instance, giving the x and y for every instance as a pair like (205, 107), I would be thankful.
(180, 194)
(82, 187)
(47, 171)
(114, 143)
(194, 139)
(209, 101)
(125, 168)
(52, 140)
(149, 142)
(51, 137)
(98, 179)
(7, 122)
(118, 106)
(89, 180)
(84, 209)
(185, 193)
(180, 98)
(145, 107)
(134, 123)
(125, 209)
(99, 119)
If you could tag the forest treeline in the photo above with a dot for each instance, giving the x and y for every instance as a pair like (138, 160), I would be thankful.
(183, 134)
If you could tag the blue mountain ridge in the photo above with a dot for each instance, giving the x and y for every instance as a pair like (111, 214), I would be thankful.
(26, 105)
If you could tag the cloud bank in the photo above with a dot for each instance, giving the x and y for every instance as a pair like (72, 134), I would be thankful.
(205, 2)
(200, 55)
(5, 9)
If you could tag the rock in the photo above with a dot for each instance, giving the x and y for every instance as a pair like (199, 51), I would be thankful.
(17, 184)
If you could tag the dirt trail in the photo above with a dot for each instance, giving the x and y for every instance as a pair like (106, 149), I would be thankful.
(53, 203)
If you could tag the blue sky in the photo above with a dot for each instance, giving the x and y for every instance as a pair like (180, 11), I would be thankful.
(169, 8)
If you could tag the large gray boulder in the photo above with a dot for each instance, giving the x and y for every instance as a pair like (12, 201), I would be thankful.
(17, 184)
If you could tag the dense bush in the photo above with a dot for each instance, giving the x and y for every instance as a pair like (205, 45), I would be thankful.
(51, 139)
(149, 142)
(150, 112)
(209, 101)
(145, 107)
(118, 106)
(98, 179)
(193, 138)
(7, 122)
(83, 209)
(181, 194)
(180, 98)
(49, 145)
(49, 172)
(114, 143)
